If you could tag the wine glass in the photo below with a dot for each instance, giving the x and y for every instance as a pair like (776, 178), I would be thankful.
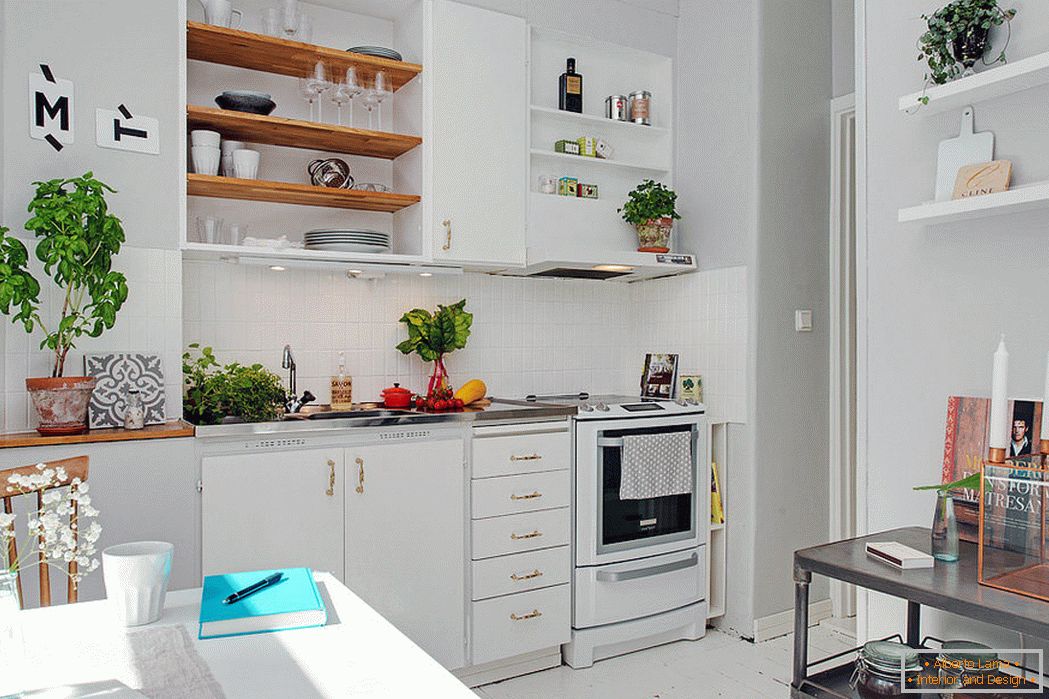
(340, 95)
(319, 83)
(308, 89)
(352, 87)
(382, 91)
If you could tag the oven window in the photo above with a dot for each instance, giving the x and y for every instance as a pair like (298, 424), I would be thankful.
(627, 522)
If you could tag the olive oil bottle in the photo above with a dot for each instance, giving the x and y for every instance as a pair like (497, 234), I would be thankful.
(570, 90)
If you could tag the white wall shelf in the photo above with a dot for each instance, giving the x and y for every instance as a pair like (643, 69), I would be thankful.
(585, 120)
(584, 161)
(996, 82)
(1026, 198)
(299, 257)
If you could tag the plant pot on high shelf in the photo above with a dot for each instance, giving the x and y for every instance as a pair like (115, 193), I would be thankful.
(77, 241)
(61, 403)
(651, 210)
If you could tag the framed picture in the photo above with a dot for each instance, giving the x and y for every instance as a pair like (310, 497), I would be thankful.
(658, 380)
(690, 387)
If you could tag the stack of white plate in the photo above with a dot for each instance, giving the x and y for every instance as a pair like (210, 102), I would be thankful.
(379, 51)
(347, 240)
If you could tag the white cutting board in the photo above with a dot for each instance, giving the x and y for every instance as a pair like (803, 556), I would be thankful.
(955, 153)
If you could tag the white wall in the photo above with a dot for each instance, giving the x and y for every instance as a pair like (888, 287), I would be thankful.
(843, 46)
(939, 296)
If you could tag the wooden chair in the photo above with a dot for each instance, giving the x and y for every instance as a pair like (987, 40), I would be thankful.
(75, 467)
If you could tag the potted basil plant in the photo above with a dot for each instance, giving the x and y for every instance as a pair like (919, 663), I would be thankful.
(956, 38)
(651, 210)
(78, 238)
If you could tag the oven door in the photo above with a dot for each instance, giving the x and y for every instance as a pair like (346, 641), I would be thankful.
(611, 529)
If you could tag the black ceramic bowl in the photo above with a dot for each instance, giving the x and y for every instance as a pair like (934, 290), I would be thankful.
(246, 103)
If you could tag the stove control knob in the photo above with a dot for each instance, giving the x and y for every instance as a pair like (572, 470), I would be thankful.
(586, 407)
(602, 407)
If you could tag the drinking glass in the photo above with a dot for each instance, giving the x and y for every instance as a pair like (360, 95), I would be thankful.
(309, 91)
(209, 229)
(290, 18)
(304, 32)
(319, 84)
(340, 95)
(273, 22)
(352, 87)
(382, 91)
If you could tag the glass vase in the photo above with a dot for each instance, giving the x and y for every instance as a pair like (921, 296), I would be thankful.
(12, 644)
(944, 529)
(439, 386)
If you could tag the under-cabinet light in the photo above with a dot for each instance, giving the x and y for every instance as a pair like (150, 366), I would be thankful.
(613, 268)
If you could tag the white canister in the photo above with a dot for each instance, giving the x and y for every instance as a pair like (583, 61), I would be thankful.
(246, 164)
(136, 577)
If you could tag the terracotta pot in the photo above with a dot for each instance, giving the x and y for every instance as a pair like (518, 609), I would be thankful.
(396, 397)
(654, 235)
(61, 403)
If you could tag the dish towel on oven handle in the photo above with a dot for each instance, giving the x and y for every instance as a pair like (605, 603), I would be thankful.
(656, 465)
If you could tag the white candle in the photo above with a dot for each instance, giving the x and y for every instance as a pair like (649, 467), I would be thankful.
(1000, 398)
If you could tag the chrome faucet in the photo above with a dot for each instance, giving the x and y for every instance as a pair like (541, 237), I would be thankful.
(294, 403)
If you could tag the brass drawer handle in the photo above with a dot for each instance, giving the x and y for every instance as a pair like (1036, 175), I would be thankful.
(527, 457)
(527, 576)
(534, 614)
(360, 475)
(530, 496)
(530, 535)
(330, 492)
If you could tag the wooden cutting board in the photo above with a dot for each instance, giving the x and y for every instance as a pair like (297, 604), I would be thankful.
(955, 153)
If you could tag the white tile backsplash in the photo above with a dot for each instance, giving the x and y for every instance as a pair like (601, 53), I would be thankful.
(528, 336)
(150, 320)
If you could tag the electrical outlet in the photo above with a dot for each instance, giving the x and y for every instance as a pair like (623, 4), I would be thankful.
(803, 321)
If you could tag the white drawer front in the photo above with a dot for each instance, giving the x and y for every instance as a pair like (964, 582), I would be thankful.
(620, 591)
(509, 495)
(521, 453)
(507, 626)
(521, 572)
(496, 536)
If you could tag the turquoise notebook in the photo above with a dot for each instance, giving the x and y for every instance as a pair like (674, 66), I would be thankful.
(292, 603)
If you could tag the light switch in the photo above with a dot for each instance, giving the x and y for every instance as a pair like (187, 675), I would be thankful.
(803, 321)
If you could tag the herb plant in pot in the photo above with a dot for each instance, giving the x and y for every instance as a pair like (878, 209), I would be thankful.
(956, 38)
(78, 238)
(432, 336)
(214, 394)
(651, 209)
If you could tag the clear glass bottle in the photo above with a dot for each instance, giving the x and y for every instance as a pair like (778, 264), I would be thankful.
(944, 529)
(134, 412)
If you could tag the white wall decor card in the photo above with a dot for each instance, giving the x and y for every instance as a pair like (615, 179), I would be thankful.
(50, 108)
(120, 130)
(117, 373)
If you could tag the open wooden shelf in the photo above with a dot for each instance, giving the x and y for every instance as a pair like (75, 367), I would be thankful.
(233, 47)
(295, 133)
(995, 82)
(1024, 198)
(302, 194)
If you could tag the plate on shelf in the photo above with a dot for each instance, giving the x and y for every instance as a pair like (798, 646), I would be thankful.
(377, 51)
(347, 247)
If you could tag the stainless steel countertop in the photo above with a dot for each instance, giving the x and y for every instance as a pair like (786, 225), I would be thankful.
(501, 410)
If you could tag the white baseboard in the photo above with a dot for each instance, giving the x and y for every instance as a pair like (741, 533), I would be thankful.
(782, 623)
(499, 670)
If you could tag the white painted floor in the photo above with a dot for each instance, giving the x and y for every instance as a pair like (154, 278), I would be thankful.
(718, 665)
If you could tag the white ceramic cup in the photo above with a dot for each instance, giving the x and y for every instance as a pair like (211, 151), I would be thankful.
(227, 156)
(246, 164)
(206, 159)
(205, 137)
(136, 577)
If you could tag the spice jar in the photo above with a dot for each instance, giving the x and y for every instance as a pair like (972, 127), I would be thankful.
(641, 107)
(877, 673)
(134, 412)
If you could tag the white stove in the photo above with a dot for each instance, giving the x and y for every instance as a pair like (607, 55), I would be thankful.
(639, 576)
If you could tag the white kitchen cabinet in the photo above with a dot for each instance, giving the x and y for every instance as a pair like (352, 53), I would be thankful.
(278, 509)
(405, 533)
(480, 135)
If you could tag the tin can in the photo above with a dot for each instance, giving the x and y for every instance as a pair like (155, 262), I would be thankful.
(641, 107)
(617, 107)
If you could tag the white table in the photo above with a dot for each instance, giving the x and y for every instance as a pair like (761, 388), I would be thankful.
(357, 654)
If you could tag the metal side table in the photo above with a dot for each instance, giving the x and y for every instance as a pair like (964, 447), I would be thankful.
(951, 587)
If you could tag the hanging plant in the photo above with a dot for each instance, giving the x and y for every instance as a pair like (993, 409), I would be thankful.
(956, 37)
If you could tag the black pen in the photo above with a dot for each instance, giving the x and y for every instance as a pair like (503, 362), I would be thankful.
(253, 588)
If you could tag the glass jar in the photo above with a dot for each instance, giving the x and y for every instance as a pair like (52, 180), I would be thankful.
(12, 645)
(944, 529)
(877, 673)
(967, 664)
(134, 412)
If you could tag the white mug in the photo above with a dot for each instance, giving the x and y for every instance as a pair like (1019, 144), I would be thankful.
(136, 577)
(206, 159)
(227, 156)
(221, 13)
(246, 164)
(205, 137)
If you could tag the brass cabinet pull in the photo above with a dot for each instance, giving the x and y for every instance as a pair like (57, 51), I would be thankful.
(360, 475)
(527, 576)
(534, 614)
(527, 457)
(330, 492)
(447, 223)
(530, 535)
(530, 496)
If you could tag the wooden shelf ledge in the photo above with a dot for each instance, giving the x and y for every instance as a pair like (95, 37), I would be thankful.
(295, 133)
(302, 194)
(167, 430)
(233, 47)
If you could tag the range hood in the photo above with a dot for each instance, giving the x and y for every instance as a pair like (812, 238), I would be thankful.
(621, 266)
